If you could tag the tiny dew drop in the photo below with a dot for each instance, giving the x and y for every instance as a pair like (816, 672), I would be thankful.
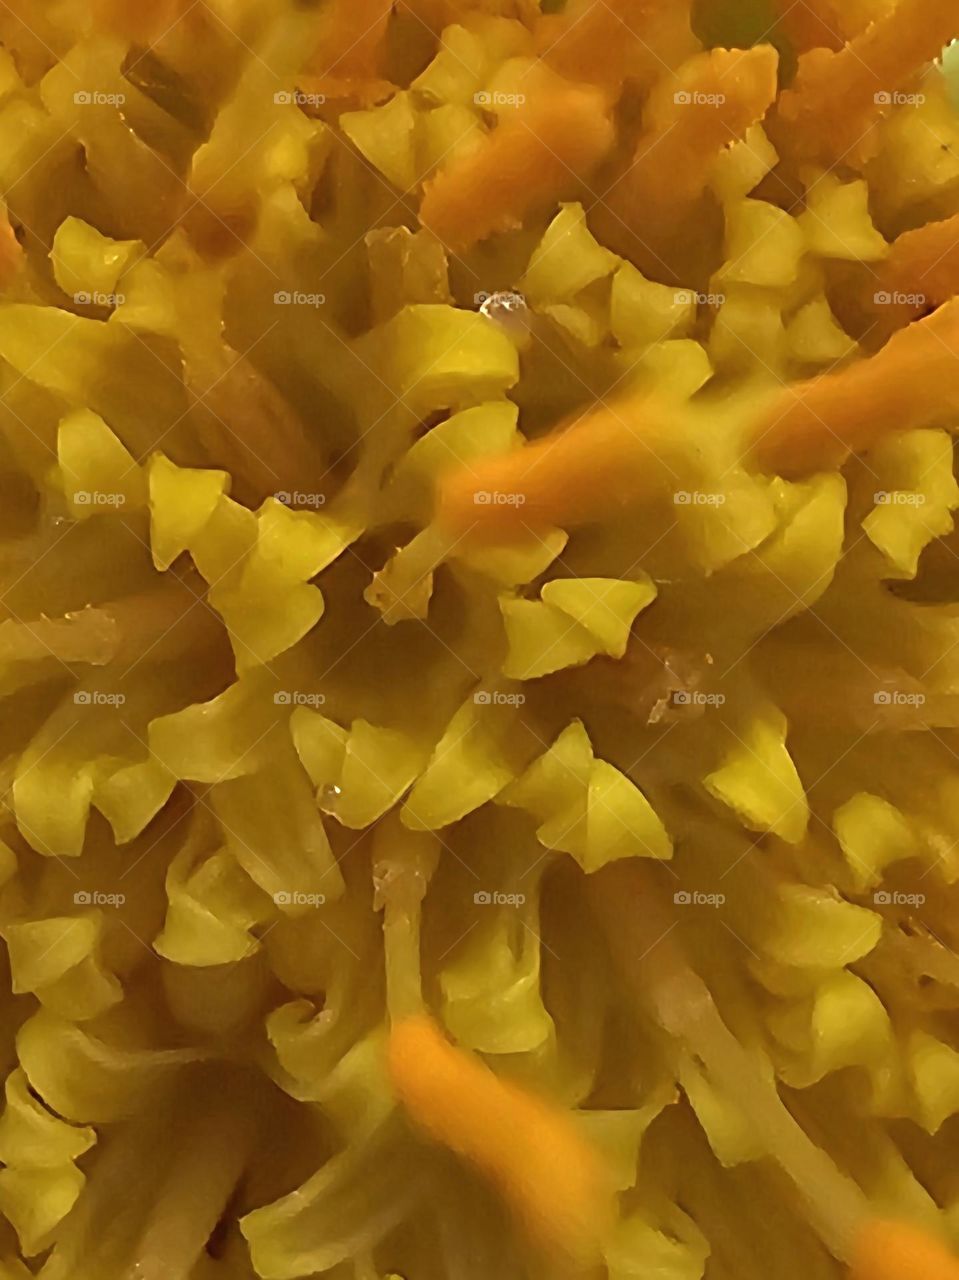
(509, 311)
(329, 795)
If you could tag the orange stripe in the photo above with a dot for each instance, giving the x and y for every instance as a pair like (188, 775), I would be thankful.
(713, 100)
(602, 460)
(531, 1150)
(926, 262)
(894, 1251)
(911, 382)
(606, 41)
(838, 96)
(533, 158)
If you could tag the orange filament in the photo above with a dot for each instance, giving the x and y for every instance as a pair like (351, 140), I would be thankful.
(603, 459)
(924, 264)
(829, 112)
(603, 43)
(911, 382)
(352, 46)
(894, 1251)
(615, 455)
(811, 25)
(714, 99)
(537, 156)
(529, 1148)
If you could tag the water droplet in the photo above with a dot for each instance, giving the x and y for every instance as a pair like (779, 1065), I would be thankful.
(329, 795)
(510, 312)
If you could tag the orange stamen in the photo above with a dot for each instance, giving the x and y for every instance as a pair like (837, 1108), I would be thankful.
(911, 382)
(689, 119)
(534, 158)
(605, 42)
(602, 459)
(894, 1251)
(813, 24)
(529, 1148)
(925, 263)
(352, 46)
(615, 455)
(837, 97)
